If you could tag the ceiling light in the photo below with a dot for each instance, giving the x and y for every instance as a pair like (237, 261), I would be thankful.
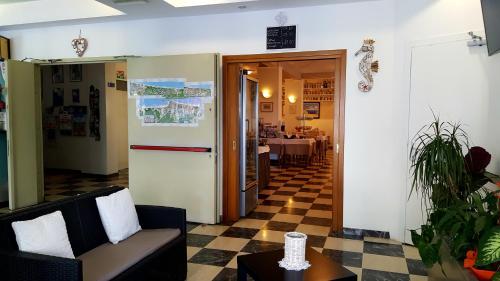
(292, 99)
(192, 3)
(13, 1)
(37, 11)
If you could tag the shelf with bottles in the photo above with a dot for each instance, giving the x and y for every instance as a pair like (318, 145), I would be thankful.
(318, 98)
(319, 84)
(320, 89)
(318, 92)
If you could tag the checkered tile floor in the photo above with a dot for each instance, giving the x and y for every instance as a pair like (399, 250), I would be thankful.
(61, 184)
(298, 199)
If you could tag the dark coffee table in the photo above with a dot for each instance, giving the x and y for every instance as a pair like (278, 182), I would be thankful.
(264, 266)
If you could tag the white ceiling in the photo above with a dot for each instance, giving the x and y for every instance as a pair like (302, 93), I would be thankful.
(28, 13)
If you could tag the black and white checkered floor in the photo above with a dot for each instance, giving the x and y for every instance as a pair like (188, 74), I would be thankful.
(298, 199)
(60, 185)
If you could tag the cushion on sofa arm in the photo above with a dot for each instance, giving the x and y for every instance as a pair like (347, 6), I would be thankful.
(46, 235)
(108, 261)
(154, 217)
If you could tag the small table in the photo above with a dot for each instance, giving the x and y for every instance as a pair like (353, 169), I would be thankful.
(264, 266)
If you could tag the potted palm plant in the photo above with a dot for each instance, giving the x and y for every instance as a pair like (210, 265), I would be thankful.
(459, 210)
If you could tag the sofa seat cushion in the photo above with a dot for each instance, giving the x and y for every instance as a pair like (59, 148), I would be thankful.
(107, 260)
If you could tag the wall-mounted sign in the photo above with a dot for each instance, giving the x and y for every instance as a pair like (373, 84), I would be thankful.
(281, 37)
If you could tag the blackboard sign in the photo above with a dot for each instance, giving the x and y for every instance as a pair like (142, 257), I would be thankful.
(281, 37)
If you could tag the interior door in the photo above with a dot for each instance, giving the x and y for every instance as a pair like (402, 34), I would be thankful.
(24, 134)
(460, 84)
(164, 167)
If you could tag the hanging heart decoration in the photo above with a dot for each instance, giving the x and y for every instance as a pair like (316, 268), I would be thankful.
(80, 45)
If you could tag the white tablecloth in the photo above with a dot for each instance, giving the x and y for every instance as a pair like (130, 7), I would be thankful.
(291, 141)
(263, 149)
(321, 138)
(295, 146)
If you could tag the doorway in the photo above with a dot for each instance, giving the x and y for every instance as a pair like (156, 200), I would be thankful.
(85, 130)
(161, 149)
(283, 103)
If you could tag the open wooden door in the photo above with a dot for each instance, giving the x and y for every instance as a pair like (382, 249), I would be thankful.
(24, 134)
(173, 162)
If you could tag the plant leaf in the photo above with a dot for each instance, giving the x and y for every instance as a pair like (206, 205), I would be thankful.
(496, 277)
(489, 248)
(480, 224)
(429, 254)
(415, 237)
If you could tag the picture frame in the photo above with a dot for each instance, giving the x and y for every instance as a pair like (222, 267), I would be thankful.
(312, 109)
(57, 97)
(266, 107)
(57, 74)
(75, 95)
(75, 73)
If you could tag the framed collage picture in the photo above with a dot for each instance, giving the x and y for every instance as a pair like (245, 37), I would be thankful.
(312, 109)
(266, 107)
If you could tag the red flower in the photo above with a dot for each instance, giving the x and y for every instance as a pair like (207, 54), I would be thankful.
(477, 160)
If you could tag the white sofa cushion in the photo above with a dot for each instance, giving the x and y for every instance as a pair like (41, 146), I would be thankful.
(118, 215)
(46, 235)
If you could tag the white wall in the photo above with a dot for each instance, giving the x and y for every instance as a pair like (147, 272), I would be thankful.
(376, 122)
(475, 105)
(71, 152)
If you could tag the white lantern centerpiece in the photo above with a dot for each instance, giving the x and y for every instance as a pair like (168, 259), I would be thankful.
(295, 252)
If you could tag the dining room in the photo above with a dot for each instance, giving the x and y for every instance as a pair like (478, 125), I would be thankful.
(295, 111)
(284, 124)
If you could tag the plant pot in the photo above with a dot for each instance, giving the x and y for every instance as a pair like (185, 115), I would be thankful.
(452, 268)
(480, 274)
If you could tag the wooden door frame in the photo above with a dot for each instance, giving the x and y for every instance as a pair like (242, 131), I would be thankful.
(231, 65)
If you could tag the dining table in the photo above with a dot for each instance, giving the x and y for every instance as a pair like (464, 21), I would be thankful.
(296, 147)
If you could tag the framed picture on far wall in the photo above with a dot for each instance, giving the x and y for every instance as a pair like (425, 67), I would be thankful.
(266, 107)
(57, 74)
(312, 109)
(75, 73)
(57, 97)
(75, 95)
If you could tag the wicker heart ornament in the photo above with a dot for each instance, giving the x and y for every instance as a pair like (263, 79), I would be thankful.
(80, 45)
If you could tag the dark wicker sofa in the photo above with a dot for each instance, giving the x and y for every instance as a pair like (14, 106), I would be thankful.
(165, 260)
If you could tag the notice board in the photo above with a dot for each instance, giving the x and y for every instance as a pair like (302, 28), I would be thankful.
(281, 37)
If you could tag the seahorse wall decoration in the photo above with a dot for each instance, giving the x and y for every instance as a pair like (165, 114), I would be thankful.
(367, 66)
